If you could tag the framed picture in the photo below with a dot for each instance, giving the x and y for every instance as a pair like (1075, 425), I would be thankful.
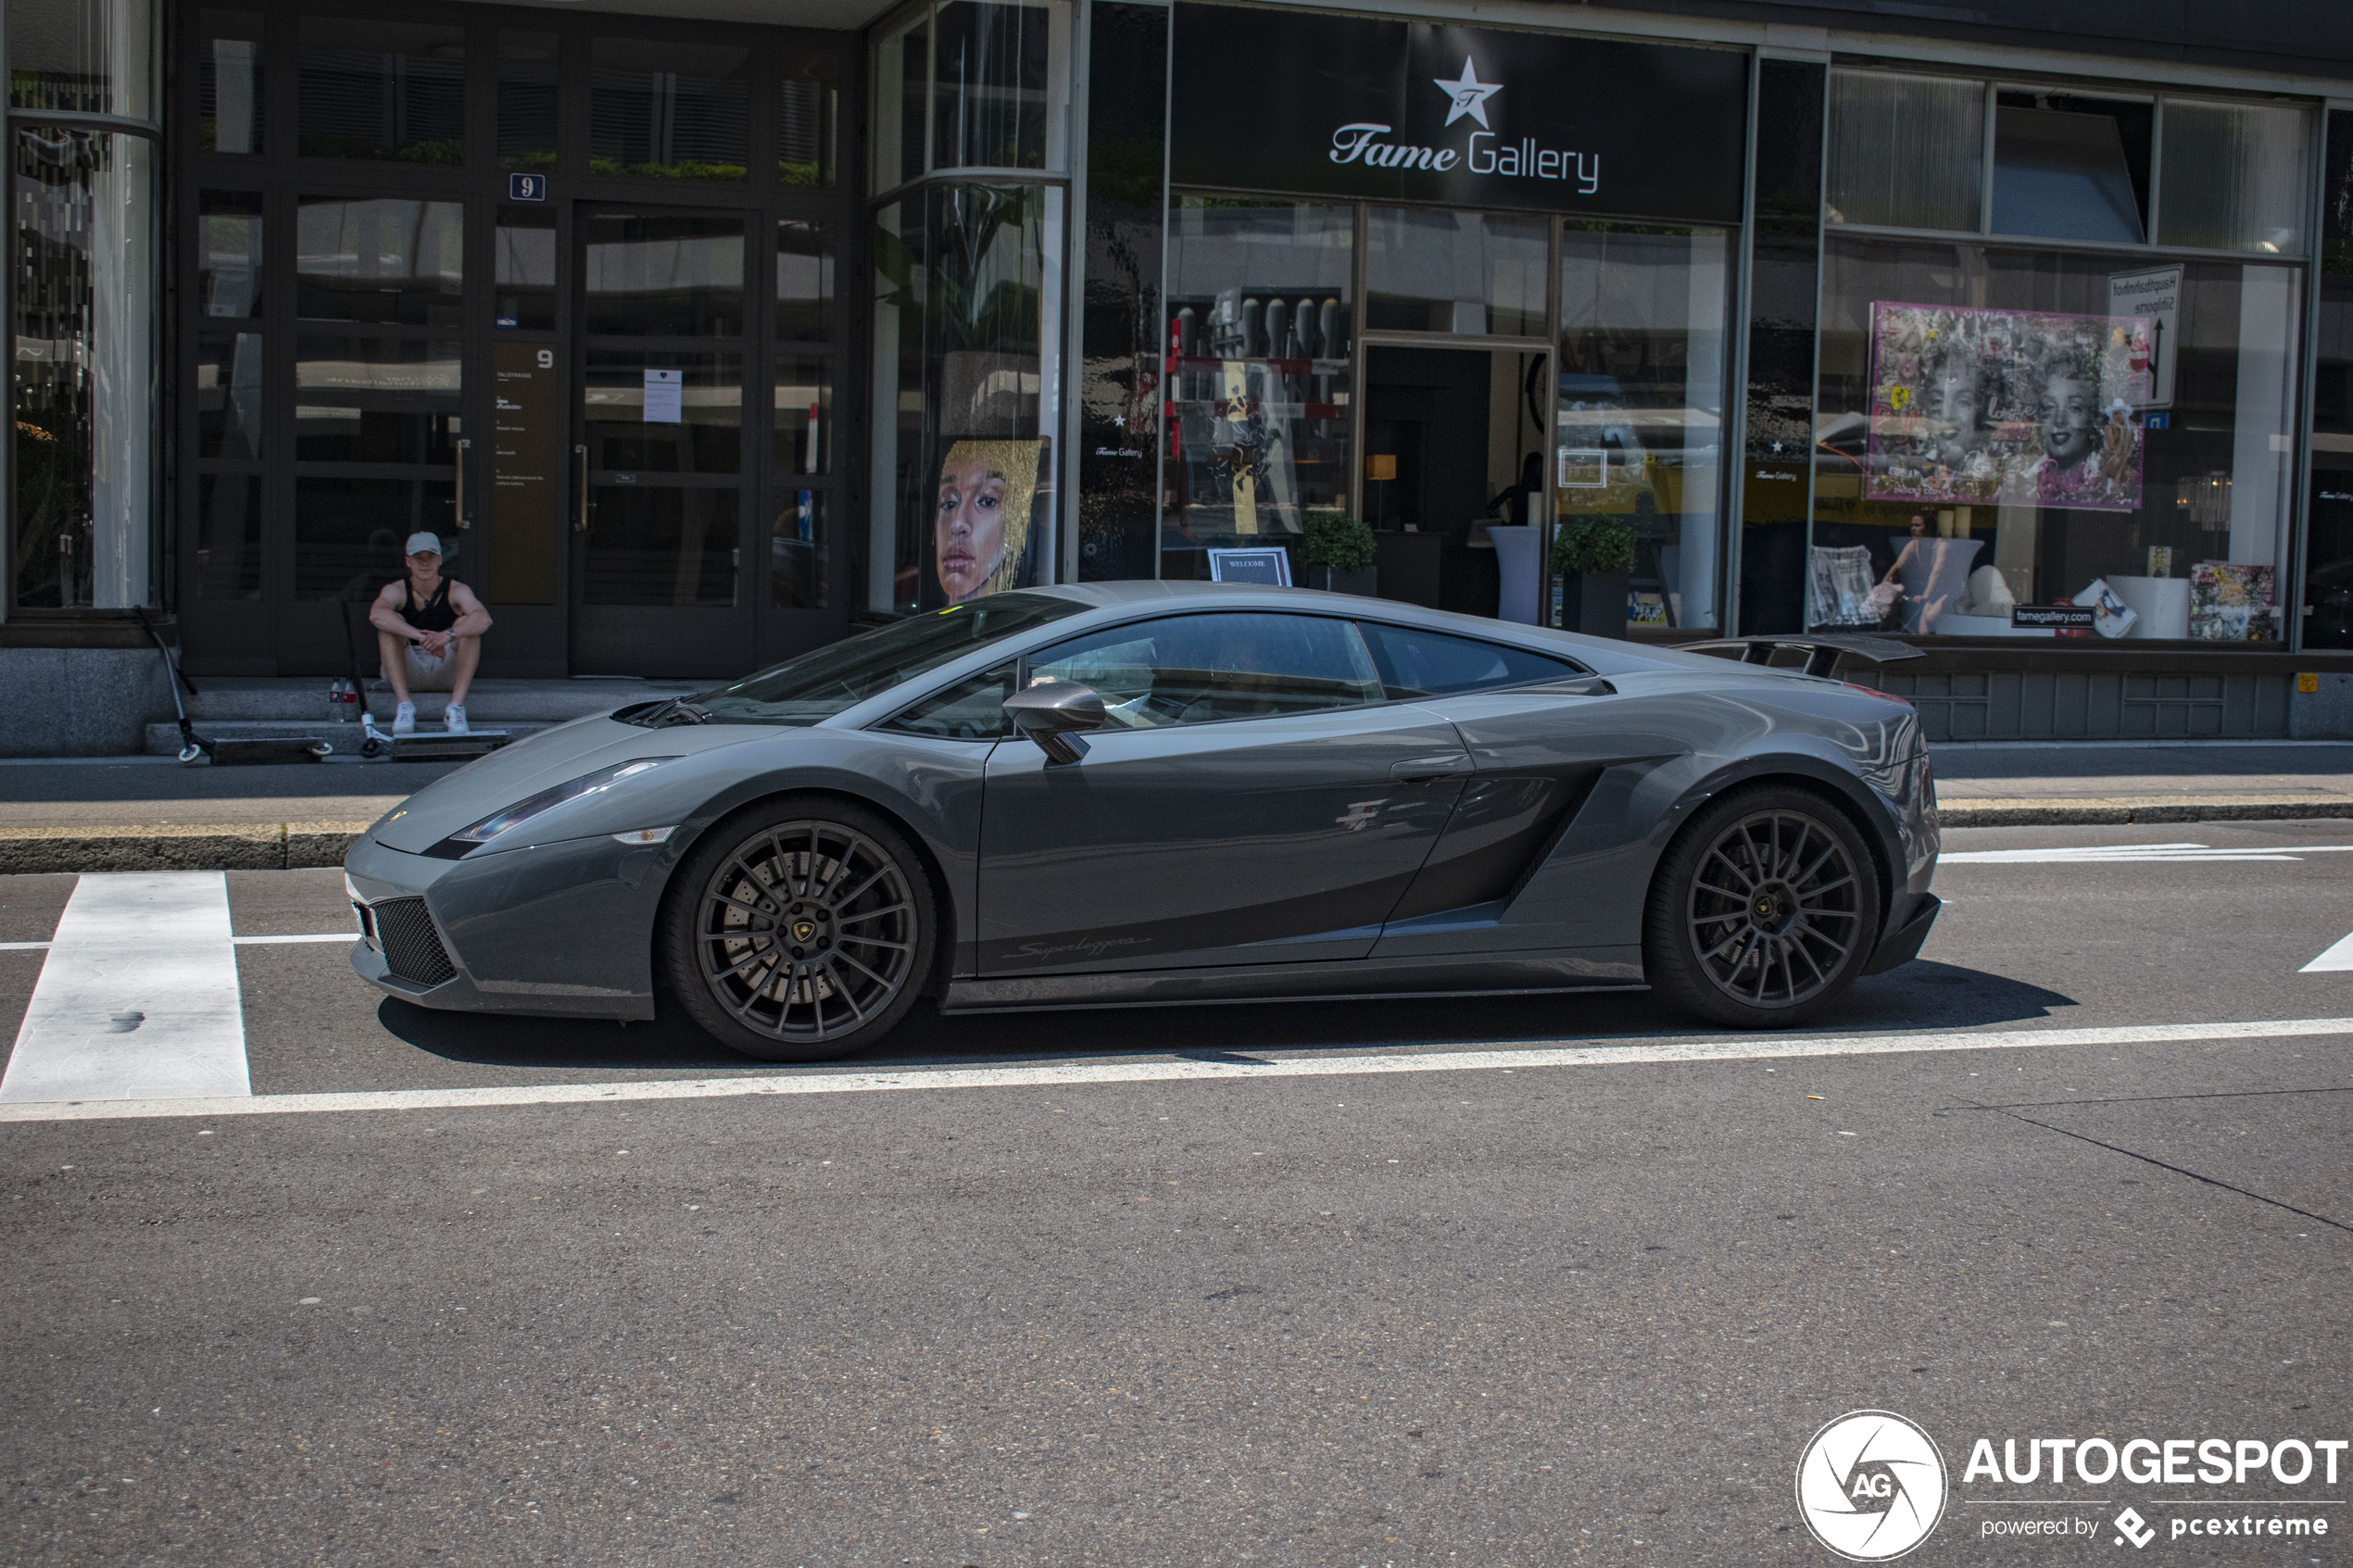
(1261, 565)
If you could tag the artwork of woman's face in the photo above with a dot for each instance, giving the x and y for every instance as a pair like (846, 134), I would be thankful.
(1957, 405)
(2067, 416)
(969, 531)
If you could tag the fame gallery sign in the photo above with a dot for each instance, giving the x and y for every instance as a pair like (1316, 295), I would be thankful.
(1298, 101)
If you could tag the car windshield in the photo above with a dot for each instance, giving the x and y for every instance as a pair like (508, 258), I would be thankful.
(825, 681)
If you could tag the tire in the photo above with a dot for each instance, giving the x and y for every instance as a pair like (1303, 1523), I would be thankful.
(1764, 911)
(800, 930)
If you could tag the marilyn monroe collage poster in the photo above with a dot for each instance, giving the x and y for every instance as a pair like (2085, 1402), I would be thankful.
(2005, 408)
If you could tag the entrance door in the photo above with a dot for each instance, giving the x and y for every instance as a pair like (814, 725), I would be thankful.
(669, 445)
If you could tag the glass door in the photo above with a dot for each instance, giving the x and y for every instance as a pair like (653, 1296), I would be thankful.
(667, 455)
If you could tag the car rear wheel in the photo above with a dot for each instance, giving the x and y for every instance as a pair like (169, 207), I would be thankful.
(801, 930)
(1763, 912)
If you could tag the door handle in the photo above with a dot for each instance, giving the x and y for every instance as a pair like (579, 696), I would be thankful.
(1421, 769)
(580, 490)
(459, 489)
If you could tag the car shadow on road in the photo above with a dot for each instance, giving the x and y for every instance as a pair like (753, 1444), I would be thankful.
(1920, 995)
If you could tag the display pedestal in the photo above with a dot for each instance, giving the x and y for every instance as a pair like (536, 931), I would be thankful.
(1516, 551)
(1595, 603)
(1362, 581)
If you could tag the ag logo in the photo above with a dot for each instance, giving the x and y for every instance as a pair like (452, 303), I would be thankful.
(1871, 1486)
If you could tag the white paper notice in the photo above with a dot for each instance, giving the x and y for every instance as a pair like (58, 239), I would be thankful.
(664, 391)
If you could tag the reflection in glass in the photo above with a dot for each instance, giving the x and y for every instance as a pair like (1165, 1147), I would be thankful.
(1639, 426)
(2070, 168)
(796, 552)
(808, 121)
(804, 282)
(386, 261)
(902, 60)
(1431, 270)
(990, 100)
(701, 432)
(2236, 177)
(1259, 331)
(2214, 479)
(662, 276)
(1906, 151)
(349, 533)
(229, 396)
(229, 96)
(374, 89)
(659, 544)
(84, 308)
(376, 400)
(229, 253)
(662, 110)
(229, 536)
(526, 269)
(527, 92)
(804, 433)
(82, 56)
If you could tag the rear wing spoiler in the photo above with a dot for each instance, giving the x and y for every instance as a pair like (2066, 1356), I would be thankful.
(1821, 651)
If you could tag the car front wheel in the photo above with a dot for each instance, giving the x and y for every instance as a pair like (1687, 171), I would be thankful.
(800, 930)
(1763, 912)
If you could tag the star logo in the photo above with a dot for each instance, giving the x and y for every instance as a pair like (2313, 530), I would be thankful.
(1469, 95)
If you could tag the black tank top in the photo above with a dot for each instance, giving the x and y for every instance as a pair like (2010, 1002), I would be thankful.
(435, 615)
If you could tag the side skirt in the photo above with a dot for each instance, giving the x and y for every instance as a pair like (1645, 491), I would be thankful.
(1591, 968)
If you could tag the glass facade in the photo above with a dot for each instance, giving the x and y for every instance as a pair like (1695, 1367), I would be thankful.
(82, 293)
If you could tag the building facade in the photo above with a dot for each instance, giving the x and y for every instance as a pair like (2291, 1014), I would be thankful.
(708, 333)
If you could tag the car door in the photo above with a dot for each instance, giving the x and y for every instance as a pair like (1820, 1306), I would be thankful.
(1255, 799)
(1529, 858)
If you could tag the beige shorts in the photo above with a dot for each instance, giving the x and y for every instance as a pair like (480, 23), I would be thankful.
(426, 673)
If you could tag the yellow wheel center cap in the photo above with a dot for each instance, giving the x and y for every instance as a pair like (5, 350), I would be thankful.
(803, 930)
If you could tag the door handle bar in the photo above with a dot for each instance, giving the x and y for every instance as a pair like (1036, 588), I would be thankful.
(580, 491)
(1420, 770)
(458, 489)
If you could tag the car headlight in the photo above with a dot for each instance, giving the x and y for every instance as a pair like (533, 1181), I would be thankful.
(521, 811)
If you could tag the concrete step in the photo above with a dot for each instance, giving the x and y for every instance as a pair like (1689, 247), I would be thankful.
(499, 703)
(163, 740)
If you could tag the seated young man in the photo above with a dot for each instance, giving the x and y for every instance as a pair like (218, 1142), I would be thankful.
(429, 630)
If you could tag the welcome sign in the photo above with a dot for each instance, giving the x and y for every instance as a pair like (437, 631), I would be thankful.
(1322, 105)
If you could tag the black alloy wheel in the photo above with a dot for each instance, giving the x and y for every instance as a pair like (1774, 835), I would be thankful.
(799, 931)
(1764, 911)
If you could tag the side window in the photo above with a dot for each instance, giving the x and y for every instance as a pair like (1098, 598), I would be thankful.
(973, 710)
(1202, 669)
(1416, 663)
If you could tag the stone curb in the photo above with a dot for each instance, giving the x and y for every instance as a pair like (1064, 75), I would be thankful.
(177, 847)
(2089, 812)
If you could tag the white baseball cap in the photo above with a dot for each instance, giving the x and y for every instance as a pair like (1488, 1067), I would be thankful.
(419, 543)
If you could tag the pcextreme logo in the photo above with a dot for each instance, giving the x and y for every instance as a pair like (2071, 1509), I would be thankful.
(1871, 1486)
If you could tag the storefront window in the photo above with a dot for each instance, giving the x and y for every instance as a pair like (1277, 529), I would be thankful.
(228, 98)
(2328, 559)
(1428, 270)
(1262, 339)
(83, 308)
(1639, 431)
(968, 306)
(528, 89)
(2033, 444)
(808, 121)
(1905, 152)
(2238, 177)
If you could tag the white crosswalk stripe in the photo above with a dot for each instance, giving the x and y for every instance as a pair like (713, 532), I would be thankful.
(138, 997)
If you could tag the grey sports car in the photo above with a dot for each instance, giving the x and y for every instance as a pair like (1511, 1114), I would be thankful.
(1140, 793)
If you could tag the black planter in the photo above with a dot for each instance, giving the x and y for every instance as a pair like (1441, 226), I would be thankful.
(1595, 603)
(1359, 580)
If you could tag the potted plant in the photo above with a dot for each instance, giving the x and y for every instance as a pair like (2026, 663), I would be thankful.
(1597, 555)
(1340, 554)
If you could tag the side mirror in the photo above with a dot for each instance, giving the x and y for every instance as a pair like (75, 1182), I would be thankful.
(1051, 713)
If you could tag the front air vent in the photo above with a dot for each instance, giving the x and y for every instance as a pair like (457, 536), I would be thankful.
(412, 948)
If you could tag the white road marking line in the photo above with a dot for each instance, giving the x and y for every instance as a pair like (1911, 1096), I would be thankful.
(2128, 853)
(239, 941)
(138, 998)
(1641, 1053)
(2337, 958)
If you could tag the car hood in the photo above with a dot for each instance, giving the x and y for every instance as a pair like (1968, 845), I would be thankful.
(553, 757)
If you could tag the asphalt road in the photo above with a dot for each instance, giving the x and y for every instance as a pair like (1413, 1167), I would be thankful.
(1484, 1313)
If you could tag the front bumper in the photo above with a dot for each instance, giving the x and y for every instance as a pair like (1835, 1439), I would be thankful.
(559, 929)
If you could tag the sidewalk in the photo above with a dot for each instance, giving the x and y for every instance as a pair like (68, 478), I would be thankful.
(147, 814)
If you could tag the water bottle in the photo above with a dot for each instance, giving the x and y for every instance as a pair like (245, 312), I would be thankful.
(343, 701)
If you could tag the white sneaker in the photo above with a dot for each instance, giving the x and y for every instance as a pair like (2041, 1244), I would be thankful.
(404, 719)
(456, 719)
